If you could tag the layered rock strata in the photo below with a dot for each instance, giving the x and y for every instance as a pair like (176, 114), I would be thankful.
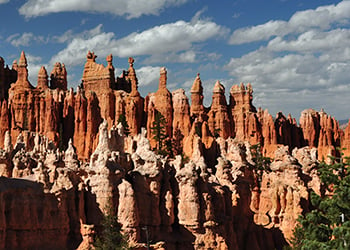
(178, 203)
(61, 114)
(65, 158)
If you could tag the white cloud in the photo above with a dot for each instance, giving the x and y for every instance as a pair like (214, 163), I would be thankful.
(259, 32)
(305, 63)
(184, 57)
(69, 35)
(130, 8)
(25, 39)
(294, 82)
(313, 40)
(148, 75)
(75, 53)
(320, 18)
(173, 38)
(4, 1)
(169, 37)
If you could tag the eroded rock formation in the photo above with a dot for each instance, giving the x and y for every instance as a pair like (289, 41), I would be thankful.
(65, 159)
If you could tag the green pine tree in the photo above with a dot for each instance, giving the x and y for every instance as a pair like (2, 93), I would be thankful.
(327, 225)
(159, 134)
(110, 237)
(124, 122)
(262, 163)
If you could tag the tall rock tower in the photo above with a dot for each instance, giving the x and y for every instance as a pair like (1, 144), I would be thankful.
(218, 116)
(197, 108)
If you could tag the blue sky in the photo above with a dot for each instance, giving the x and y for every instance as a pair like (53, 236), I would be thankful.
(296, 54)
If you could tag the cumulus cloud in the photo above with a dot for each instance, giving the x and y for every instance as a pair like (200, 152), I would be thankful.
(69, 35)
(184, 57)
(321, 18)
(172, 38)
(4, 1)
(313, 40)
(296, 81)
(305, 63)
(147, 75)
(129, 9)
(25, 39)
(169, 37)
(75, 53)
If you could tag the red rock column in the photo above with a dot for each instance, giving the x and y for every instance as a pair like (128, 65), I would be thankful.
(346, 141)
(219, 121)
(181, 122)
(4, 122)
(163, 102)
(80, 113)
(197, 108)
(93, 120)
(68, 116)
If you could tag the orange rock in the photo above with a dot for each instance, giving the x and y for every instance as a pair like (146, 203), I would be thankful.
(68, 116)
(58, 77)
(80, 124)
(197, 108)
(7, 76)
(151, 115)
(93, 120)
(96, 77)
(21, 100)
(52, 116)
(4, 121)
(181, 121)
(191, 141)
(268, 132)
(346, 140)
(163, 102)
(218, 117)
(244, 119)
(22, 74)
(131, 76)
(309, 123)
(134, 103)
(320, 131)
(43, 79)
(209, 198)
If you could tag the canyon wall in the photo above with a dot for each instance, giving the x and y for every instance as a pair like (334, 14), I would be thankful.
(60, 114)
(182, 203)
(65, 158)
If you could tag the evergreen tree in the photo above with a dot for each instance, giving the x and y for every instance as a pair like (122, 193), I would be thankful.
(159, 134)
(262, 163)
(327, 225)
(123, 121)
(110, 237)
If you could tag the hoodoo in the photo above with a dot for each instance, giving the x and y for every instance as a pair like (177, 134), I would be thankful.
(65, 156)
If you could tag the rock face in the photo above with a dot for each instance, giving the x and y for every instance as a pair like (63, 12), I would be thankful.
(218, 116)
(38, 209)
(197, 108)
(61, 114)
(284, 194)
(65, 159)
(7, 76)
(320, 131)
(163, 102)
(184, 204)
(346, 140)
(181, 122)
(59, 77)
(245, 124)
(134, 106)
